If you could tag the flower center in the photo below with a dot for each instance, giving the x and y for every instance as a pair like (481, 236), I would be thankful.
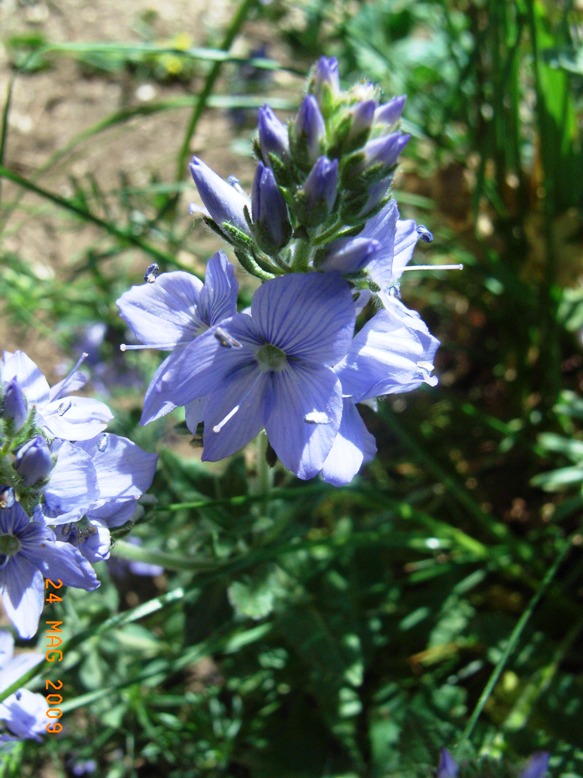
(9, 545)
(271, 358)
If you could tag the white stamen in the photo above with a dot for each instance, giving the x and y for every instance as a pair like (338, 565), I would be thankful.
(218, 427)
(434, 267)
(317, 417)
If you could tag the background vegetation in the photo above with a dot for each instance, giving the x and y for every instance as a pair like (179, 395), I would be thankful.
(300, 630)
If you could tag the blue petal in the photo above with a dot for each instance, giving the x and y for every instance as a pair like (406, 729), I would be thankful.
(72, 486)
(25, 714)
(447, 767)
(406, 238)
(393, 352)
(13, 520)
(165, 313)
(241, 398)
(218, 299)
(156, 403)
(200, 368)
(537, 766)
(304, 417)
(22, 590)
(32, 382)
(353, 446)
(309, 316)
(75, 418)
(56, 559)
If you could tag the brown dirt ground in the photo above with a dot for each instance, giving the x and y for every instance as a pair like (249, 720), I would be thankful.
(51, 107)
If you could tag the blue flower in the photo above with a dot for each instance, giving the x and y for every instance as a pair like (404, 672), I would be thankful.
(173, 311)
(447, 767)
(536, 767)
(392, 353)
(28, 554)
(62, 416)
(23, 712)
(277, 372)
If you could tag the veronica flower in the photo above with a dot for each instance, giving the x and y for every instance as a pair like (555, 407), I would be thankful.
(28, 554)
(392, 353)
(173, 311)
(536, 767)
(275, 373)
(95, 485)
(63, 416)
(23, 712)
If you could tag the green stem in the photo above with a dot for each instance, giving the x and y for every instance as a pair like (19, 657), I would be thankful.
(237, 22)
(512, 643)
(123, 235)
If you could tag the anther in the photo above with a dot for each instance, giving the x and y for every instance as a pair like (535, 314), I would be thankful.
(425, 234)
(64, 407)
(225, 339)
(152, 273)
(103, 441)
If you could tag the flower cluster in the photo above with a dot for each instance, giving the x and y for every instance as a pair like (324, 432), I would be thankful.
(64, 483)
(322, 232)
(536, 767)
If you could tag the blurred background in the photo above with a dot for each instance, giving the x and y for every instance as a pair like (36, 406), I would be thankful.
(437, 600)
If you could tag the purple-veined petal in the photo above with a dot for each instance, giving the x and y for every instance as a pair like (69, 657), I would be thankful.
(406, 238)
(13, 520)
(72, 486)
(32, 382)
(157, 404)
(353, 446)
(308, 316)
(349, 255)
(57, 559)
(393, 352)
(234, 414)
(164, 314)
(22, 590)
(194, 413)
(123, 469)
(304, 417)
(24, 713)
(18, 666)
(200, 368)
(218, 299)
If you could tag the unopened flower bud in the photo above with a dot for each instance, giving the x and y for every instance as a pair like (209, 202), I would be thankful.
(319, 192)
(390, 113)
(447, 767)
(324, 83)
(15, 406)
(362, 118)
(33, 461)
(223, 201)
(308, 133)
(273, 135)
(385, 151)
(271, 224)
